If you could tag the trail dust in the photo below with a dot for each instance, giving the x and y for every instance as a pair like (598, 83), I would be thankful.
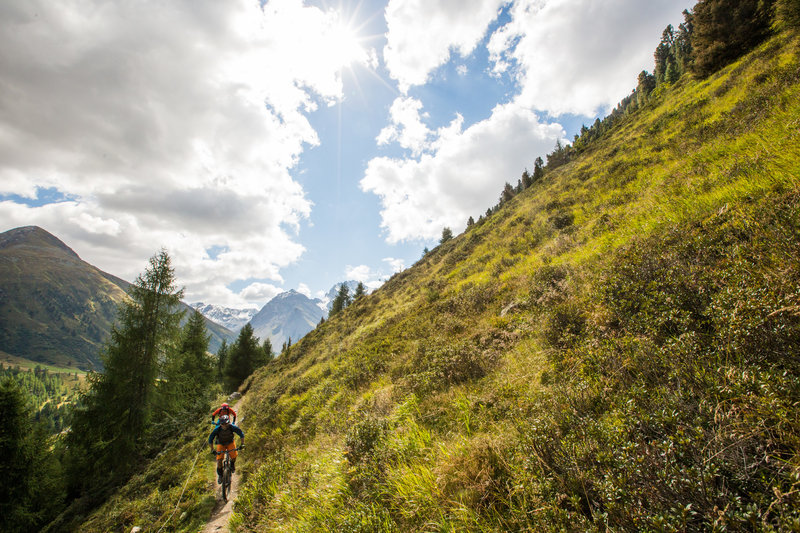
(222, 510)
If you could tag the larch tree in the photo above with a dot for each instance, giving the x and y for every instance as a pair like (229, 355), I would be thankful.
(110, 427)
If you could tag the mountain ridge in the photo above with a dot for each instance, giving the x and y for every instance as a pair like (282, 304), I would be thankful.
(288, 316)
(55, 308)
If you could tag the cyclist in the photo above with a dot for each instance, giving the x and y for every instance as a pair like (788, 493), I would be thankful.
(224, 432)
(224, 409)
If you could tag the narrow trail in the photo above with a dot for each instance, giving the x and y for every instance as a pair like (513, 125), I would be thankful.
(222, 510)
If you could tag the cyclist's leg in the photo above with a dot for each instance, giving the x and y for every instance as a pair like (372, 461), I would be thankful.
(220, 456)
(233, 455)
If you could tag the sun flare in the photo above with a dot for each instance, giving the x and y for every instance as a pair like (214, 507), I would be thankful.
(343, 46)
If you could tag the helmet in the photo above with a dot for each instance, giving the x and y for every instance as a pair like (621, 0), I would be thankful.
(224, 419)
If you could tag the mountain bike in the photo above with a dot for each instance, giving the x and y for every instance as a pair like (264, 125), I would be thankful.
(226, 471)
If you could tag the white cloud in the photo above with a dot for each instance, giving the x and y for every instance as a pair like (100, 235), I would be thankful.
(421, 34)
(406, 125)
(260, 292)
(303, 289)
(460, 174)
(167, 124)
(360, 273)
(580, 56)
(397, 265)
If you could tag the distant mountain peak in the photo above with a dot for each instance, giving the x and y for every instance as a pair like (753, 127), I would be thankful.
(232, 319)
(289, 315)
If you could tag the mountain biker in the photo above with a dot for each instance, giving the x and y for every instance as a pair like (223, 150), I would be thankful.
(224, 409)
(223, 432)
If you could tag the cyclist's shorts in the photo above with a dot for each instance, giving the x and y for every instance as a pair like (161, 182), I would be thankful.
(223, 447)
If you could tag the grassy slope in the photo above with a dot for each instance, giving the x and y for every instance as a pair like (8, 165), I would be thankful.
(613, 349)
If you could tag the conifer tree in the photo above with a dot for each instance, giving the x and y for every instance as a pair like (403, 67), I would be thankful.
(222, 359)
(188, 372)
(31, 491)
(341, 300)
(244, 357)
(111, 426)
(361, 291)
(269, 353)
(527, 179)
(507, 194)
(447, 234)
(726, 29)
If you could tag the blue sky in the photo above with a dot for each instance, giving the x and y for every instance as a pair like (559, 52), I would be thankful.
(289, 144)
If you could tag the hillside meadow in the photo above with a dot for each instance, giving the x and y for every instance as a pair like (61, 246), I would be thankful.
(616, 348)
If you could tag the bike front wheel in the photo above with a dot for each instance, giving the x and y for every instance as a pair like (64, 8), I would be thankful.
(226, 483)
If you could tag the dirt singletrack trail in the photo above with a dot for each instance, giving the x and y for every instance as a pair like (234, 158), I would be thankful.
(218, 522)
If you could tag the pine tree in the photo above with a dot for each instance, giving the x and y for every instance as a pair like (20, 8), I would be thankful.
(222, 359)
(188, 373)
(31, 492)
(361, 291)
(245, 356)
(646, 84)
(111, 425)
(269, 353)
(447, 234)
(507, 194)
(341, 300)
(726, 29)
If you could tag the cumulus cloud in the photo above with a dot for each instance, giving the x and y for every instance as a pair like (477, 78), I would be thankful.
(460, 174)
(580, 56)
(406, 127)
(304, 290)
(260, 292)
(360, 273)
(422, 34)
(166, 124)
(397, 265)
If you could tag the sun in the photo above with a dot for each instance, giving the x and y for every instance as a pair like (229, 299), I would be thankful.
(343, 45)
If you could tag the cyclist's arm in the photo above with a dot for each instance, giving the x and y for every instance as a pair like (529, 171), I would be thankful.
(238, 431)
(211, 437)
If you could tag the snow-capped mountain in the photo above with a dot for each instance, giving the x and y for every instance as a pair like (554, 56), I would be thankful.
(289, 315)
(233, 319)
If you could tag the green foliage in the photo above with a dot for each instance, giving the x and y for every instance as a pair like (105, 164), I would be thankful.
(610, 350)
(787, 14)
(683, 380)
(447, 233)
(32, 490)
(185, 390)
(633, 370)
(726, 29)
(341, 300)
(110, 429)
(222, 359)
(52, 394)
(244, 357)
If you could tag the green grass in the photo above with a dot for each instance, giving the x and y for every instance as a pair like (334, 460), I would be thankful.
(614, 350)
(10, 361)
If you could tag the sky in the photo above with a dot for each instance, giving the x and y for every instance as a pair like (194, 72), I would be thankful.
(290, 144)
